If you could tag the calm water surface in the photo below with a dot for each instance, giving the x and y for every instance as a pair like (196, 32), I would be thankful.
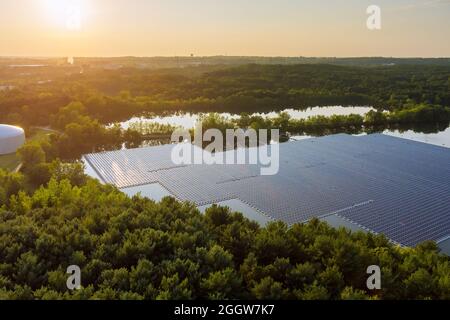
(188, 120)
(441, 138)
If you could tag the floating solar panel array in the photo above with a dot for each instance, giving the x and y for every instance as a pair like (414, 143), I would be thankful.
(383, 184)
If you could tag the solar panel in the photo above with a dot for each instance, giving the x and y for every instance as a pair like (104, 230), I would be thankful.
(384, 184)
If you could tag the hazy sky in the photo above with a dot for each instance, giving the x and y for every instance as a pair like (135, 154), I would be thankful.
(219, 27)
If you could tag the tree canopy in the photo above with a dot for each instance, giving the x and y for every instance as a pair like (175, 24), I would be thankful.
(134, 248)
(113, 95)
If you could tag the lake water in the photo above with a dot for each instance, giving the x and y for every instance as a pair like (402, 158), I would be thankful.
(322, 111)
(188, 120)
(440, 137)
(27, 65)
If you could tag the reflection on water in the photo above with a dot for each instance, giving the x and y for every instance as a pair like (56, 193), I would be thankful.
(437, 134)
(322, 111)
(440, 135)
(185, 120)
(147, 143)
(188, 120)
(441, 138)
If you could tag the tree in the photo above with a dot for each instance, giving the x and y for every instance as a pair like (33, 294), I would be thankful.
(31, 155)
(268, 289)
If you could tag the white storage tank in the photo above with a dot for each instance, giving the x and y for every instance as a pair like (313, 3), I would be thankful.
(11, 138)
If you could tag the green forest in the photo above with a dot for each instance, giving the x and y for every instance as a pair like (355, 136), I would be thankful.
(53, 216)
(116, 95)
(138, 249)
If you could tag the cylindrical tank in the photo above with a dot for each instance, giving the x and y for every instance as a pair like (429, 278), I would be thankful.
(11, 138)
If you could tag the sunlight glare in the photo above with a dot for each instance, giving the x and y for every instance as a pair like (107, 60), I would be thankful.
(66, 13)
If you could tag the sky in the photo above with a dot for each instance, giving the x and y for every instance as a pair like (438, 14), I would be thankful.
(331, 28)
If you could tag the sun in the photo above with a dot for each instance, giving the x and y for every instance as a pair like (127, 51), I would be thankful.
(66, 13)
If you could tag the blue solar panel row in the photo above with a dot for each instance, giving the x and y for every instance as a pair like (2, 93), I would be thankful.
(387, 185)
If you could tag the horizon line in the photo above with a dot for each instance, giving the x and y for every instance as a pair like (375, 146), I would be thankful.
(222, 56)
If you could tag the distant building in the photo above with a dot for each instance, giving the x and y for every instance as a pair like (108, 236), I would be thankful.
(11, 139)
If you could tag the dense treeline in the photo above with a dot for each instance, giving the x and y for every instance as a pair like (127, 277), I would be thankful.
(208, 61)
(408, 115)
(79, 134)
(138, 249)
(112, 95)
